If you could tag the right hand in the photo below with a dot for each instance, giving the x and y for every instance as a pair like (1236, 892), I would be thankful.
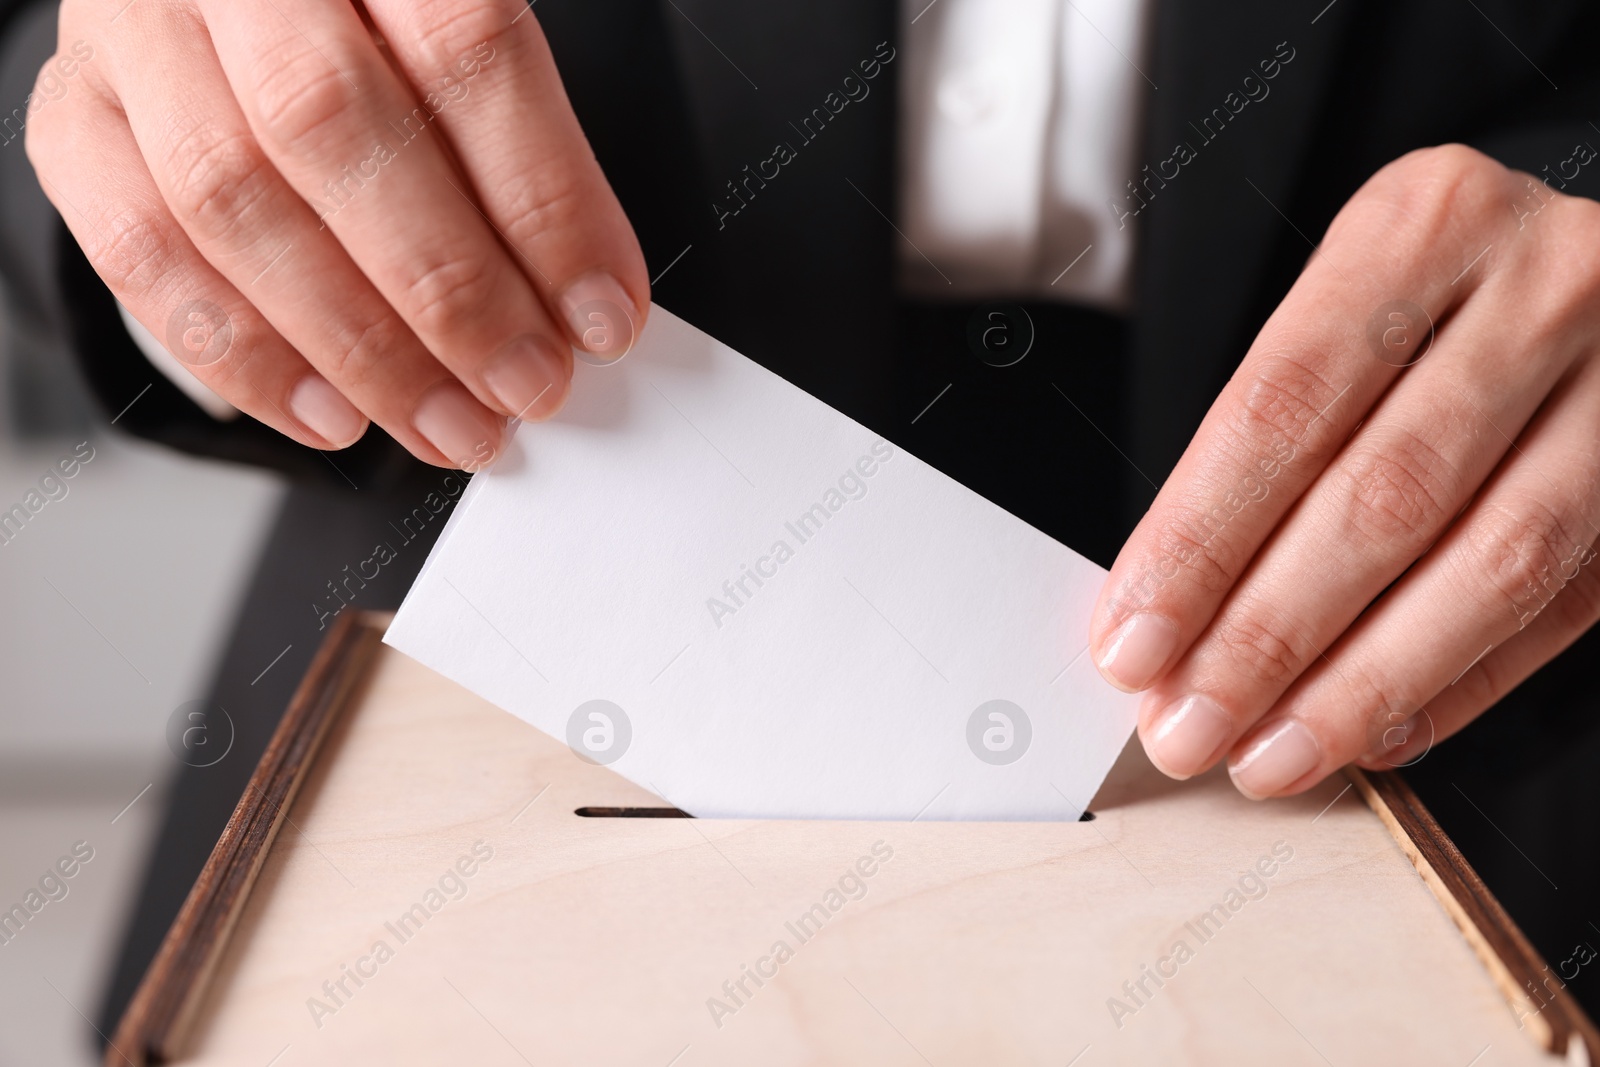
(334, 215)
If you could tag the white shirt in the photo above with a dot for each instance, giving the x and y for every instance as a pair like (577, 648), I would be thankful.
(1019, 123)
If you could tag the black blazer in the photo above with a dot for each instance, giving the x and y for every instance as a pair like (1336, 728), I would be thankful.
(680, 97)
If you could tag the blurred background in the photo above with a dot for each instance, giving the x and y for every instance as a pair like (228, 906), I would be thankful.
(117, 598)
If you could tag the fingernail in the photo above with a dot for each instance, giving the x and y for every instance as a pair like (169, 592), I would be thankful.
(324, 411)
(1138, 650)
(529, 378)
(455, 423)
(601, 315)
(1276, 760)
(1187, 735)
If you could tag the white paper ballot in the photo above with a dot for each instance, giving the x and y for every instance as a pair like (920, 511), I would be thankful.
(753, 606)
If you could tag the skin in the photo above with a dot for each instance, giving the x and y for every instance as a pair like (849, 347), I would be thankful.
(1404, 529)
(212, 186)
(1416, 539)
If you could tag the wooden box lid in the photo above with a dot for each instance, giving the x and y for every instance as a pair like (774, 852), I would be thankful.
(407, 880)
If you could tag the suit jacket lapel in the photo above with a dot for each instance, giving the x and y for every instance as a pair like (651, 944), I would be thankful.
(809, 259)
(802, 261)
(1207, 233)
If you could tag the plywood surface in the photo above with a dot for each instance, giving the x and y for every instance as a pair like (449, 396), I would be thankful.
(625, 941)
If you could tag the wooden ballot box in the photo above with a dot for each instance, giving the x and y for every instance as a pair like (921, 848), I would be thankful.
(415, 877)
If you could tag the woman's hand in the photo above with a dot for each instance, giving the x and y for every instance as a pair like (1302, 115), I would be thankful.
(1384, 522)
(335, 215)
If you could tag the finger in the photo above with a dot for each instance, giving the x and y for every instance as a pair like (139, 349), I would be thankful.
(1498, 670)
(1514, 557)
(243, 217)
(1384, 499)
(336, 121)
(486, 75)
(92, 171)
(1307, 381)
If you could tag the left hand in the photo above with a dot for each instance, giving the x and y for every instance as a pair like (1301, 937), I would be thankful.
(1382, 525)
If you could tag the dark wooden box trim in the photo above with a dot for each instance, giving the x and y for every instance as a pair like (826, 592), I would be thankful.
(162, 1009)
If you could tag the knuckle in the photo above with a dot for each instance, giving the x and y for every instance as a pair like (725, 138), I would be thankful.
(1531, 556)
(1192, 540)
(1430, 192)
(1474, 187)
(358, 351)
(1365, 703)
(1284, 400)
(1454, 163)
(1253, 647)
(1178, 551)
(235, 373)
(450, 296)
(216, 181)
(1398, 493)
(302, 100)
(447, 34)
(132, 252)
(550, 200)
(1461, 177)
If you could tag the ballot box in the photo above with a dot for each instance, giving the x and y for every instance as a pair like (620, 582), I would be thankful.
(416, 877)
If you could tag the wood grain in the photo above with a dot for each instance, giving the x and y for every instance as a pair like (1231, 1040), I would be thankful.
(1556, 1019)
(606, 924)
(161, 1011)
